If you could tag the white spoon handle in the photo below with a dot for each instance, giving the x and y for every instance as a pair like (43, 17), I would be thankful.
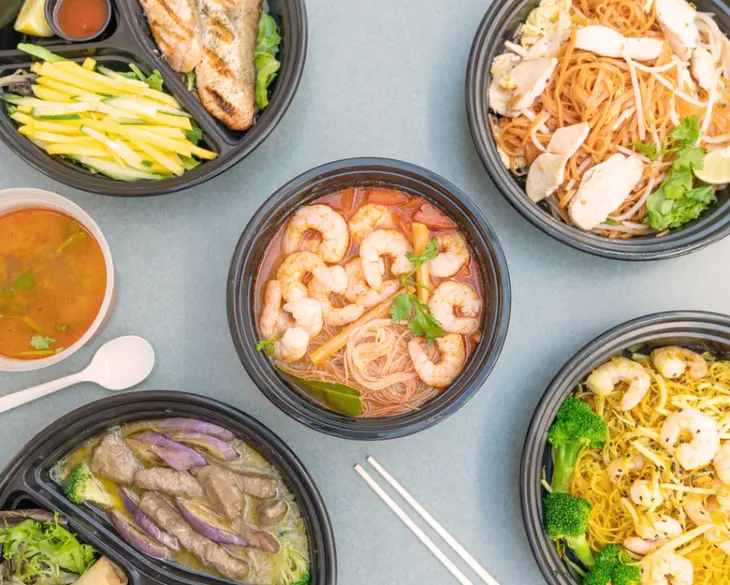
(30, 394)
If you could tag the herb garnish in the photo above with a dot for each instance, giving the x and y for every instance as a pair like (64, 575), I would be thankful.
(267, 345)
(24, 281)
(677, 201)
(42, 342)
(408, 307)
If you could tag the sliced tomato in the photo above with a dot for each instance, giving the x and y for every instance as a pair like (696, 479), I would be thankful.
(386, 196)
(433, 218)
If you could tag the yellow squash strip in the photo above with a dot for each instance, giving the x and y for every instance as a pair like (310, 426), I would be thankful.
(420, 239)
(71, 149)
(61, 126)
(51, 95)
(160, 158)
(89, 64)
(338, 341)
(63, 88)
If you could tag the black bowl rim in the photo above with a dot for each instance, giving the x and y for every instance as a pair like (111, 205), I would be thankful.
(296, 472)
(317, 418)
(699, 234)
(288, 82)
(701, 325)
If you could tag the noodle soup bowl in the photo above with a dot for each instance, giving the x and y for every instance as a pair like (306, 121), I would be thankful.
(696, 330)
(500, 24)
(244, 285)
(17, 199)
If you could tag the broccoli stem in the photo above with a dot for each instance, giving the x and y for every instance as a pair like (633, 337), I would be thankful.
(579, 545)
(566, 456)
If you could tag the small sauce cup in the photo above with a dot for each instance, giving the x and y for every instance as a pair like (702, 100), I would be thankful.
(78, 20)
(16, 199)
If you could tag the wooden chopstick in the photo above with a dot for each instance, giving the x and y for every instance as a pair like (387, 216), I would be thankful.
(398, 511)
(433, 523)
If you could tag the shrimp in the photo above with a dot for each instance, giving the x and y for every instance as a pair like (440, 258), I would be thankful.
(451, 297)
(654, 536)
(705, 442)
(367, 218)
(453, 255)
(331, 226)
(663, 529)
(658, 570)
(328, 280)
(672, 361)
(271, 313)
(723, 497)
(646, 494)
(702, 515)
(292, 346)
(604, 378)
(379, 243)
(619, 467)
(452, 357)
(722, 463)
(358, 290)
(292, 271)
(307, 314)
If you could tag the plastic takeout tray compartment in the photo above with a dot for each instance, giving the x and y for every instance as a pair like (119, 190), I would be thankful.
(28, 480)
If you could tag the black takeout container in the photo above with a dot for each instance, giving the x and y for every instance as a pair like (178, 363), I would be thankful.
(697, 330)
(275, 212)
(499, 25)
(26, 482)
(128, 39)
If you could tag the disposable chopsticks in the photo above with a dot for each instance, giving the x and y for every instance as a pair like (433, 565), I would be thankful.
(432, 522)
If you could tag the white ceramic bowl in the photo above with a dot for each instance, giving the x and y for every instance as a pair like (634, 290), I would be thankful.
(23, 198)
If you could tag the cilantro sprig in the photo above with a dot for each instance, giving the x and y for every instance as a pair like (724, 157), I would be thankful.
(408, 307)
(677, 200)
(267, 345)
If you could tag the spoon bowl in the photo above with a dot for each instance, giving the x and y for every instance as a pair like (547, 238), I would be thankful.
(121, 363)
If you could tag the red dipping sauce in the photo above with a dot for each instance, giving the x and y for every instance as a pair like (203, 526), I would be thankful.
(82, 19)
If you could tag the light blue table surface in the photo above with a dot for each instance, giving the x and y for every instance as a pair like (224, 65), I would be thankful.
(384, 79)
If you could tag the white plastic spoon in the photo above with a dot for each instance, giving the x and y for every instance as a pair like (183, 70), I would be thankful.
(118, 364)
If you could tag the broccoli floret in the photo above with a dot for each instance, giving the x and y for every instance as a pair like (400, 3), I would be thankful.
(81, 485)
(611, 570)
(291, 567)
(626, 575)
(566, 518)
(576, 427)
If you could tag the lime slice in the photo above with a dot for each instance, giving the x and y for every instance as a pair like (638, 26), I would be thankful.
(32, 19)
(717, 168)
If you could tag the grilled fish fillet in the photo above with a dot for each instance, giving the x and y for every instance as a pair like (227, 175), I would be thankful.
(174, 24)
(226, 74)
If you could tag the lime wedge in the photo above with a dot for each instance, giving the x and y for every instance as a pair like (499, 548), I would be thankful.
(32, 19)
(717, 168)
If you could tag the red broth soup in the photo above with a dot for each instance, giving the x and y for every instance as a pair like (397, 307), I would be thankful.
(370, 300)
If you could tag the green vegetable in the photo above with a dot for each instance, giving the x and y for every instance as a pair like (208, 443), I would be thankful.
(40, 53)
(81, 485)
(610, 568)
(267, 345)
(267, 65)
(154, 80)
(408, 307)
(678, 201)
(576, 427)
(24, 281)
(77, 236)
(195, 135)
(338, 397)
(189, 79)
(43, 553)
(42, 342)
(290, 566)
(566, 518)
(62, 328)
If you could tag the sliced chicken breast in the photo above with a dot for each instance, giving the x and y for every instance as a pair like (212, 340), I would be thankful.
(520, 87)
(677, 18)
(568, 140)
(608, 42)
(703, 67)
(226, 75)
(546, 174)
(174, 24)
(603, 190)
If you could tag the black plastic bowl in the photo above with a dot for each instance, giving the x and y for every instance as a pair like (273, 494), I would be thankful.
(499, 25)
(26, 481)
(693, 329)
(128, 39)
(242, 287)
